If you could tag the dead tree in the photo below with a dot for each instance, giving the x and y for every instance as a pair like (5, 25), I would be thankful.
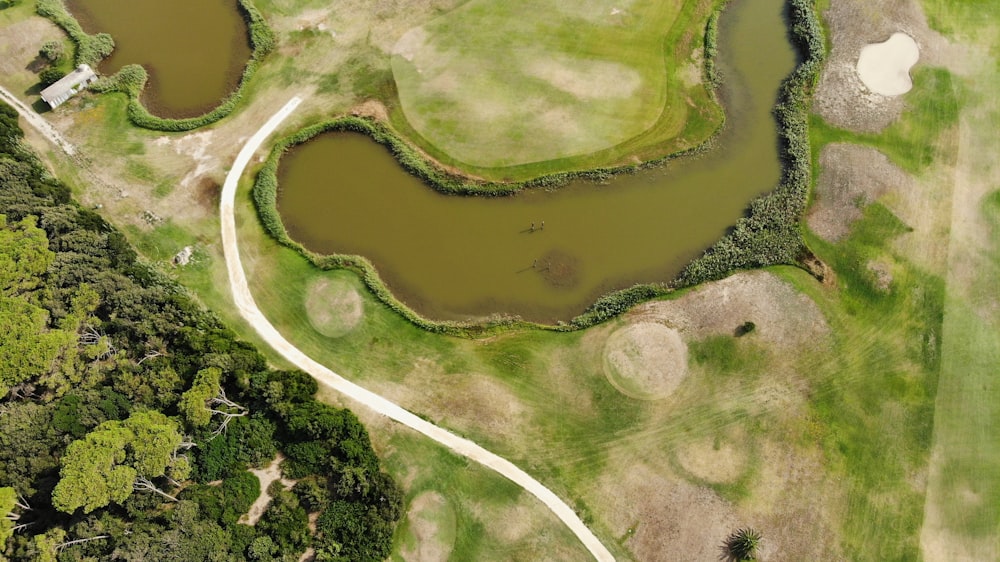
(143, 484)
(81, 541)
(233, 410)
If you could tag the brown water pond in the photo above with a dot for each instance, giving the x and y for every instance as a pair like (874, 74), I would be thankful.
(459, 257)
(193, 50)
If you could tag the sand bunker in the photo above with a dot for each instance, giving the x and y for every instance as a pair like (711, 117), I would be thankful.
(885, 67)
(646, 360)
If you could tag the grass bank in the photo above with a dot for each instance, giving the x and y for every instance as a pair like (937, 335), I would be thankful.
(131, 79)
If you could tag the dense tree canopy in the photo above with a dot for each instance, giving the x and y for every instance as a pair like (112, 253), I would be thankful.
(122, 403)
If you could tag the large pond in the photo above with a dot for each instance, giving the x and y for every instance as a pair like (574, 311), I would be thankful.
(193, 50)
(459, 257)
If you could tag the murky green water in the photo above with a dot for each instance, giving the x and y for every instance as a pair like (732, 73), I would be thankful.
(194, 50)
(453, 257)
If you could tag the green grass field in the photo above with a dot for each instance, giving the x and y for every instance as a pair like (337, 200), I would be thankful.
(962, 516)
(513, 84)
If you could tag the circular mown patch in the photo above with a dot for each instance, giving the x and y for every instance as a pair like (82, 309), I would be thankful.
(333, 306)
(431, 526)
(646, 360)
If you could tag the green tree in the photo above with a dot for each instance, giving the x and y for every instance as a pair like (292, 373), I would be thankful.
(115, 459)
(194, 402)
(8, 501)
(50, 76)
(28, 348)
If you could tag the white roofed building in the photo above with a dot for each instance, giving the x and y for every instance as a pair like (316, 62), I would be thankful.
(67, 86)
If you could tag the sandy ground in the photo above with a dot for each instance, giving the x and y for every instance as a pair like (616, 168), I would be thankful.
(244, 301)
(267, 476)
(785, 319)
(37, 122)
(842, 98)
(851, 177)
(884, 68)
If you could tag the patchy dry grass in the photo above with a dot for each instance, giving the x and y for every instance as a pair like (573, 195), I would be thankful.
(485, 87)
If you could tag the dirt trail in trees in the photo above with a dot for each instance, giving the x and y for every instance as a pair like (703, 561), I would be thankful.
(252, 314)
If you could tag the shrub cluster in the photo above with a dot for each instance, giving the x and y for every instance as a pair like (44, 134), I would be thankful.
(131, 79)
(90, 49)
(712, 77)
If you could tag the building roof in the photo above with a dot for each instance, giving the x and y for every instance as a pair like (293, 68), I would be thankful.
(68, 85)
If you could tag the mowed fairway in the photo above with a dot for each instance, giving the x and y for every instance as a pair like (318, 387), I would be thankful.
(962, 513)
(494, 84)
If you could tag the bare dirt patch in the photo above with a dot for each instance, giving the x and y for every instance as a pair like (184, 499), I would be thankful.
(432, 526)
(713, 461)
(663, 517)
(842, 99)
(333, 306)
(666, 518)
(645, 360)
(785, 319)
(881, 273)
(851, 177)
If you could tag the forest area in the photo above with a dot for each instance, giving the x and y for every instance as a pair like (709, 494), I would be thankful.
(129, 415)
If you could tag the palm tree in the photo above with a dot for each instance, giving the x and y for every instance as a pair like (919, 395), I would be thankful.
(742, 545)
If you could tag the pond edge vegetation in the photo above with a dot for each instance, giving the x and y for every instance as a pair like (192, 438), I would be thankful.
(768, 234)
(131, 79)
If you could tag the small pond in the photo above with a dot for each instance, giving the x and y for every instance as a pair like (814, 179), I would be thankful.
(193, 50)
(459, 257)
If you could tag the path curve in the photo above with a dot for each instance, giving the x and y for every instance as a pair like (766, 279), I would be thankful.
(253, 315)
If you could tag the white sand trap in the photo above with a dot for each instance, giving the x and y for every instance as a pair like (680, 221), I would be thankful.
(885, 67)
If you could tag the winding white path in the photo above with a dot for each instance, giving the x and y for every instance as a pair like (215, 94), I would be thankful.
(248, 309)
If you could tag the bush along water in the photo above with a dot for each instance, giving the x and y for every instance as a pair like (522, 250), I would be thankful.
(131, 79)
(767, 235)
(90, 49)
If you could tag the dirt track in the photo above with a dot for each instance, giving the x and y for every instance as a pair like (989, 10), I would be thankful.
(37, 122)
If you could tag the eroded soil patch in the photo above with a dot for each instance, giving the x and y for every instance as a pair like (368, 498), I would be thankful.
(851, 177)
